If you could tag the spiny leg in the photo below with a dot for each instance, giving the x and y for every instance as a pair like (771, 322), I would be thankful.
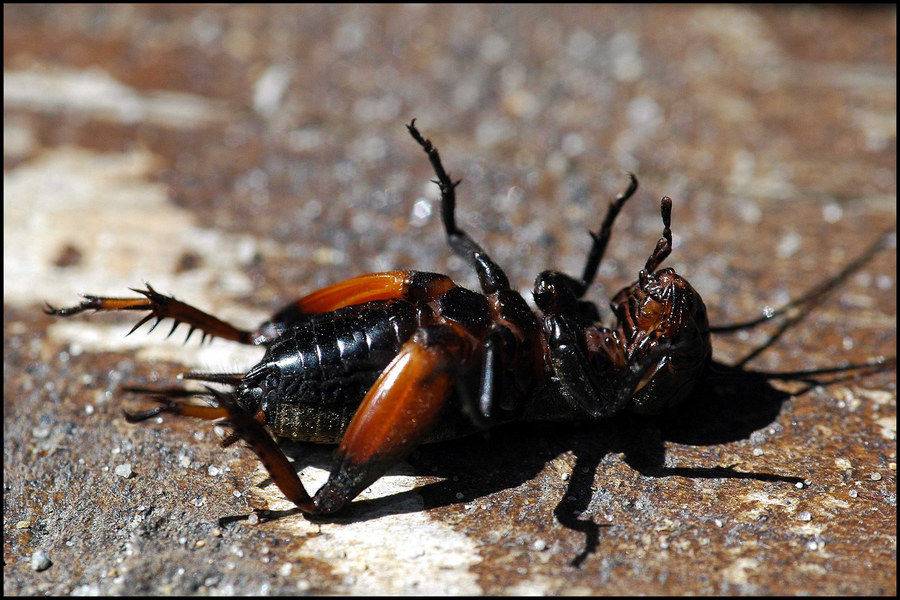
(560, 294)
(222, 405)
(251, 430)
(398, 412)
(169, 399)
(160, 307)
(601, 238)
(490, 275)
(410, 285)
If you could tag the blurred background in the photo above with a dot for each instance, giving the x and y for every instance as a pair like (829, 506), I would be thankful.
(241, 156)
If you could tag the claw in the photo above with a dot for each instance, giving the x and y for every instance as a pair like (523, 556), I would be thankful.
(137, 417)
(232, 437)
(218, 409)
(141, 322)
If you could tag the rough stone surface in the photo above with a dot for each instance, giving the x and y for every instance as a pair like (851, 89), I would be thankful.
(240, 156)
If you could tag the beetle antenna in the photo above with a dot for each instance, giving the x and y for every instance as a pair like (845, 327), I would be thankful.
(817, 293)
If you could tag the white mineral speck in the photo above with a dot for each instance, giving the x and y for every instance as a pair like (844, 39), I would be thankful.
(40, 561)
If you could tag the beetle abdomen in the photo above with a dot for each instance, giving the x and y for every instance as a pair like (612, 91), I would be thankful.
(313, 377)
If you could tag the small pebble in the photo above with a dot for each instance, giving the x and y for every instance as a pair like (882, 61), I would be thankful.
(40, 561)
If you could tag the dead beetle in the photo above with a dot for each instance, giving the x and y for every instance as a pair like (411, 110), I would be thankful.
(384, 362)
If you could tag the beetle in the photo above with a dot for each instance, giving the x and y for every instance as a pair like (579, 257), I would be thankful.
(382, 363)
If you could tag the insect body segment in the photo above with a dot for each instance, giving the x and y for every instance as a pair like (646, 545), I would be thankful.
(384, 362)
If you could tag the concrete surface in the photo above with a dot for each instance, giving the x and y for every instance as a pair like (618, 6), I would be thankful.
(240, 156)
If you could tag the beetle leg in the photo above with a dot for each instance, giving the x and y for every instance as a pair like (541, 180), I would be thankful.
(601, 238)
(595, 397)
(490, 374)
(250, 429)
(502, 367)
(397, 413)
(481, 408)
(166, 397)
(495, 285)
(160, 307)
(490, 275)
(559, 293)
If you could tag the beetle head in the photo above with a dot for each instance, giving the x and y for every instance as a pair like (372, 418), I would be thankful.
(663, 321)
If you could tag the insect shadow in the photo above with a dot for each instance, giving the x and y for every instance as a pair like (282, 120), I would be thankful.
(727, 405)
